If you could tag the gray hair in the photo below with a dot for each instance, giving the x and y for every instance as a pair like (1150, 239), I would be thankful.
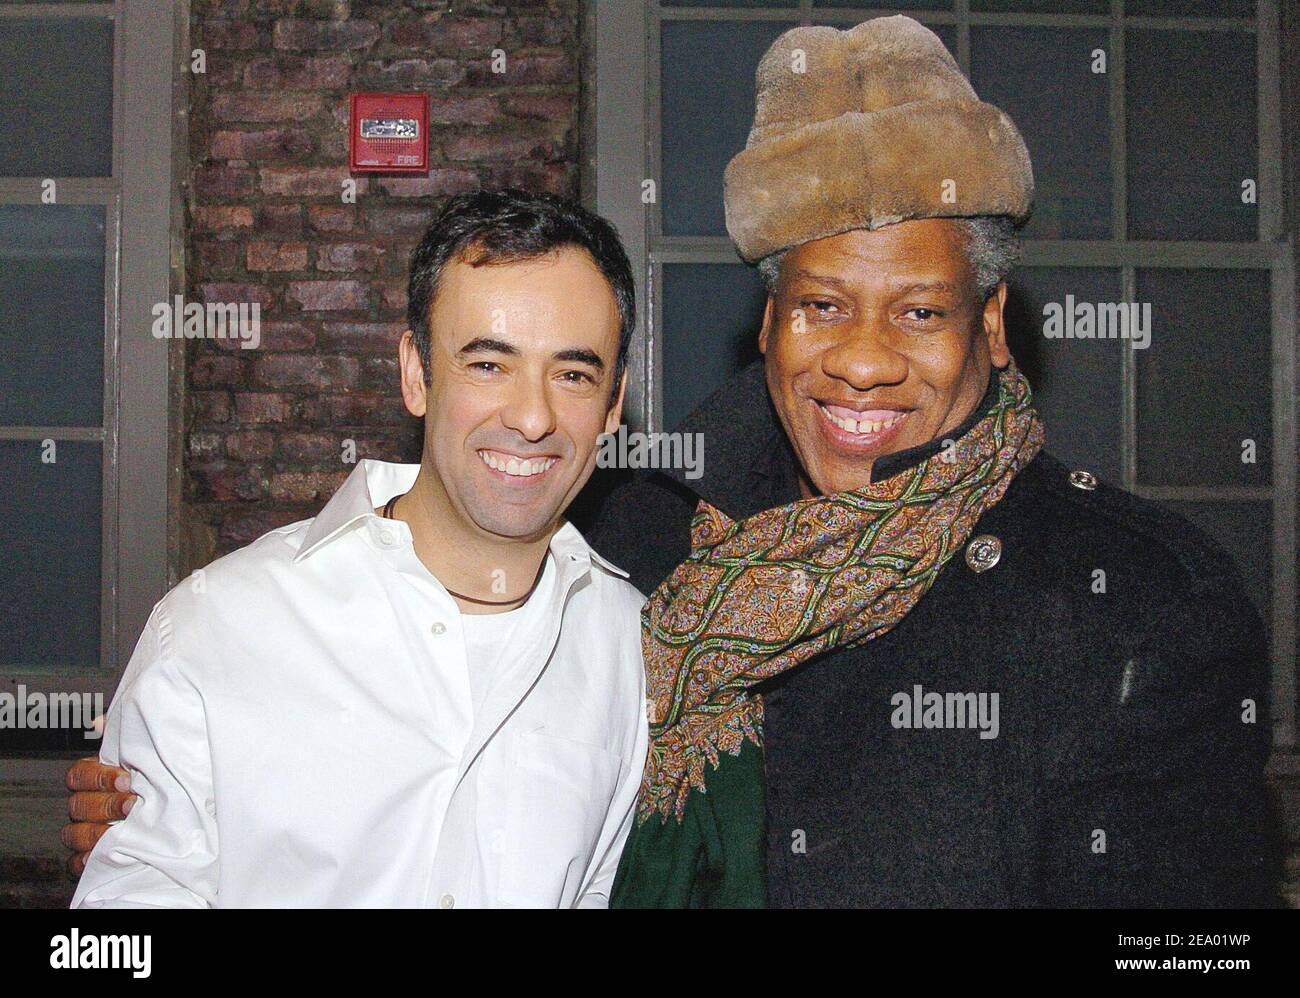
(992, 246)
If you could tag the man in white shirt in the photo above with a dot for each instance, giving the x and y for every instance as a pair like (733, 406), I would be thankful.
(438, 645)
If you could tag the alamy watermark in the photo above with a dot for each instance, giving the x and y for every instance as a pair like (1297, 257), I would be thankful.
(921, 709)
(28, 711)
(214, 321)
(1106, 320)
(657, 451)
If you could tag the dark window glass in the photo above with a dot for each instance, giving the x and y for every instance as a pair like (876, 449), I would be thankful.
(707, 98)
(49, 555)
(1245, 529)
(1205, 383)
(712, 315)
(1043, 79)
(1190, 8)
(1078, 387)
(56, 97)
(52, 315)
(1192, 137)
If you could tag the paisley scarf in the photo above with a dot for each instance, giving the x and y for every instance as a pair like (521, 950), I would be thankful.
(760, 596)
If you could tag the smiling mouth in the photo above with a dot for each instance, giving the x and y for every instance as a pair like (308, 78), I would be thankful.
(867, 426)
(515, 466)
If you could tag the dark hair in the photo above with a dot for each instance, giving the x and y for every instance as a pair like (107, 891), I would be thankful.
(510, 224)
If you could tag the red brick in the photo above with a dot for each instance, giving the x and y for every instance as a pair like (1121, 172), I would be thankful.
(214, 370)
(222, 218)
(241, 526)
(222, 481)
(306, 486)
(218, 183)
(272, 143)
(250, 445)
(499, 145)
(374, 409)
(379, 372)
(209, 407)
(463, 110)
(279, 219)
(551, 178)
(261, 407)
(289, 370)
(288, 72)
(544, 30)
(303, 448)
(459, 35)
(273, 107)
(522, 70)
(216, 34)
(348, 257)
(394, 297)
(381, 337)
(549, 107)
(233, 291)
(397, 219)
(411, 74)
(332, 218)
(213, 258)
(277, 256)
(326, 296)
(315, 36)
(440, 182)
(307, 181)
(203, 444)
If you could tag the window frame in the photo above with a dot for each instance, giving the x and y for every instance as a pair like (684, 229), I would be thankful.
(139, 472)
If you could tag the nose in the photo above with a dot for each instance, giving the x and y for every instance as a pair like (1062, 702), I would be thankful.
(528, 409)
(864, 356)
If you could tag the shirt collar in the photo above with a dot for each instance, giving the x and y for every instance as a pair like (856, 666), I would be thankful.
(373, 483)
(754, 467)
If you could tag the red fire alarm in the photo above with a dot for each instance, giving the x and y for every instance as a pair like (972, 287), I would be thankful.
(388, 133)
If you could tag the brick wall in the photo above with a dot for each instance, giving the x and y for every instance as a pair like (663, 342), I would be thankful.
(264, 429)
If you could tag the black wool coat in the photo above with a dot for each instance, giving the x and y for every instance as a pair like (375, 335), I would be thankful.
(1126, 770)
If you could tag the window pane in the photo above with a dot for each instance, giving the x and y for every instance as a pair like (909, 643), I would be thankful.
(1041, 6)
(50, 560)
(1078, 387)
(1205, 382)
(729, 3)
(1191, 134)
(712, 315)
(56, 97)
(52, 315)
(866, 5)
(707, 101)
(1190, 8)
(1043, 78)
(1245, 529)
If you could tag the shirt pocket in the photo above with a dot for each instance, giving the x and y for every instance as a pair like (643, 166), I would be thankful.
(560, 794)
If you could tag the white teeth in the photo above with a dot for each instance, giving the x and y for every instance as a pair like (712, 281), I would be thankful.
(861, 426)
(513, 466)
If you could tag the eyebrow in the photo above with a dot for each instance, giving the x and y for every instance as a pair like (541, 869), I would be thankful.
(907, 289)
(485, 344)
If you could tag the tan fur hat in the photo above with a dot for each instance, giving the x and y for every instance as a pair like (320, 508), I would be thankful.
(881, 126)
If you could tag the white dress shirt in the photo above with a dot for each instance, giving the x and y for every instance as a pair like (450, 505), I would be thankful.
(298, 723)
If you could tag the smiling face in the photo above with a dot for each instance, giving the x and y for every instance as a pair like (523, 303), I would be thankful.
(877, 341)
(521, 364)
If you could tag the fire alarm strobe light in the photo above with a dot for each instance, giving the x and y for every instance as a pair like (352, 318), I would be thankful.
(389, 133)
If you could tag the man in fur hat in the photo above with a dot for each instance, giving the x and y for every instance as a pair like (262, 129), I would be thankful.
(878, 669)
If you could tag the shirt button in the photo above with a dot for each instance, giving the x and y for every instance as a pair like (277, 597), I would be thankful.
(210, 806)
(446, 901)
(439, 628)
(386, 538)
